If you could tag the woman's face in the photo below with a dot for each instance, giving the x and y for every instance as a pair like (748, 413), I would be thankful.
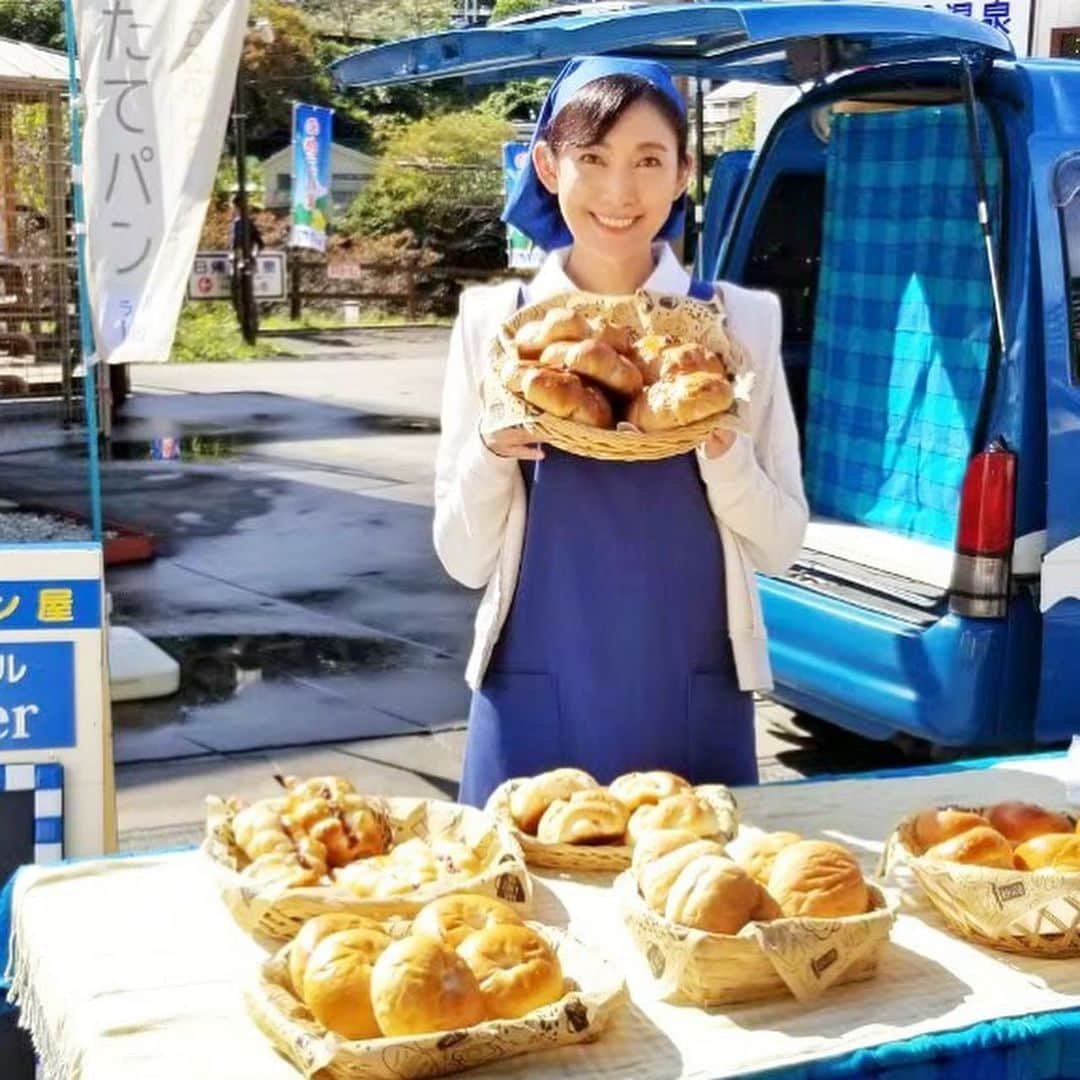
(615, 196)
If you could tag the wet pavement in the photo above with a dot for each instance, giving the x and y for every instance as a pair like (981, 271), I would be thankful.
(296, 583)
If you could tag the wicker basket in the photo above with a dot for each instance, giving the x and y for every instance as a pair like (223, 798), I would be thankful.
(684, 318)
(609, 858)
(278, 913)
(800, 957)
(595, 993)
(1018, 911)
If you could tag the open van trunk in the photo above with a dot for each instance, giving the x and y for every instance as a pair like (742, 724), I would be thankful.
(888, 330)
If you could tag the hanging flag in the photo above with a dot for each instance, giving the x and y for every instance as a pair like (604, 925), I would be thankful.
(521, 252)
(313, 128)
(157, 78)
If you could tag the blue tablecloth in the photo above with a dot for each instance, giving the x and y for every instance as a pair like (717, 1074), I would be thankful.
(1045, 1046)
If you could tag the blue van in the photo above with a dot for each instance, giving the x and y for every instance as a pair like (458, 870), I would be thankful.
(917, 210)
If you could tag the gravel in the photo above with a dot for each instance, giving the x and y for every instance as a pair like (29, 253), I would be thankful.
(22, 526)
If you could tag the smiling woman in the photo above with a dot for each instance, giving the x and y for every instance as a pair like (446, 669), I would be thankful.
(619, 631)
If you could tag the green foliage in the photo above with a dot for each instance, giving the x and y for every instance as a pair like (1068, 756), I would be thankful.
(381, 20)
(440, 178)
(520, 100)
(207, 332)
(505, 8)
(741, 136)
(225, 183)
(39, 22)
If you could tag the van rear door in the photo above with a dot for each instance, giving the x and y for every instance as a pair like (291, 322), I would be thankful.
(1055, 167)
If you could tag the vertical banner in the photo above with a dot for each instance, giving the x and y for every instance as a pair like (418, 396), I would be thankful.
(521, 252)
(1011, 17)
(313, 128)
(157, 78)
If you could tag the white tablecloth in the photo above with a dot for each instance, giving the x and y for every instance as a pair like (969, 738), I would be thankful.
(136, 970)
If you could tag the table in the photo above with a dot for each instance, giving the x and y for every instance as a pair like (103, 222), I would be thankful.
(137, 970)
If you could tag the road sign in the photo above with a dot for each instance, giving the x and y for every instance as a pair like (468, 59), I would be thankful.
(211, 276)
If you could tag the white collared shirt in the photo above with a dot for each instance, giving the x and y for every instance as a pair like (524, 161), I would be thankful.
(551, 278)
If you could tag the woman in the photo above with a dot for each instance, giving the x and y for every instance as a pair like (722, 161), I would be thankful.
(620, 628)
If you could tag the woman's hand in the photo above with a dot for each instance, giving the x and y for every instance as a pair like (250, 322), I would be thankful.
(719, 442)
(514, 442)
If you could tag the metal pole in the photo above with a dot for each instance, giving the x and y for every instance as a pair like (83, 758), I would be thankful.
(249, 315)
(982, 194)
(86, 330)
(699, 147)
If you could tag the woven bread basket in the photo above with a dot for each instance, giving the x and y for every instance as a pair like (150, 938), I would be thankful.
(594, 994)
(278, 913)
(1035, 913)
(609, 858)
(683, 318)
(799, 957)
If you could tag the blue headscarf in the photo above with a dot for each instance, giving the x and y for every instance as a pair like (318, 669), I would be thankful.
(531, 207)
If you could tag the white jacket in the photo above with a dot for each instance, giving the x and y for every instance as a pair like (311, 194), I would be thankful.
(754, 490)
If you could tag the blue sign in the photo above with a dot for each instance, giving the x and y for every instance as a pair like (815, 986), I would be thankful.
(37, 695)
(50, 605)
(312, 135)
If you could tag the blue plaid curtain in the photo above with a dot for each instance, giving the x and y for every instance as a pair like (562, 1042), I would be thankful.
(903, 322)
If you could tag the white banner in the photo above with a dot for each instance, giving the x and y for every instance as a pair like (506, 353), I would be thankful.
(157, 77)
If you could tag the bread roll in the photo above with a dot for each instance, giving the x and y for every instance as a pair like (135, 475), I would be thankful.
(564, 395)
(258, 828)
(683, 811)
(653, 843)
(420, 985)
(451, 919)
(554, 356)
(601, 363)
(361, 827)
(981, 846)
(683, 359)
(1020, 821)
(557, 324)
(656, 878)
(818, 879)
(513, 370)
(758, 856)
(1051, 851)
(312, 933)
(587, 817)
(516, 969)
(620, 338)
(635, 789)
(530, 799)
(713, 893)
(337, 982)
(933, 826)
(362, 877)
(647, 352)
(283, 869)
(681, 400)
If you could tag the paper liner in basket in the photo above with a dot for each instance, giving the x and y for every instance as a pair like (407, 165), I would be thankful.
(1022, 911)
(595, 993)
(801, 956)
(599, 857)
(682, 317)
(279, 913)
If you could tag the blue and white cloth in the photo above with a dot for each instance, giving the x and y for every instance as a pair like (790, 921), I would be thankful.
(903, 323)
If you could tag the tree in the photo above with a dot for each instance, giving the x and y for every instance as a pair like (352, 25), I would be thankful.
(38, 22)
(384, 20)
(505, 8)
(740, 136)
(441, 179)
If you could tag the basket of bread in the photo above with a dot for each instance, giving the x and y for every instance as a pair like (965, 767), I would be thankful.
(776, 915)
(322, 847)
(1006, 876)
(629, 378)
(464, 983)
(565, 819)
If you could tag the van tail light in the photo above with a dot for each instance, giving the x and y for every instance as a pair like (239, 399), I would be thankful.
(984, 537)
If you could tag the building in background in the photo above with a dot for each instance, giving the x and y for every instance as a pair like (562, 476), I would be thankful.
(350, 170)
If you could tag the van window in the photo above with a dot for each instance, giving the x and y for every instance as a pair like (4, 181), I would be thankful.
(786, 250)
(1067, 196)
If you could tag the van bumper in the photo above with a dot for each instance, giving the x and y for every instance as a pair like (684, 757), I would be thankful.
(878, 675)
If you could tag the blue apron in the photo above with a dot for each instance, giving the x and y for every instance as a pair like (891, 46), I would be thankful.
(615, 653)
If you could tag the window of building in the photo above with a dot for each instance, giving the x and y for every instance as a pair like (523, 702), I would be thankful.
(1065, 42)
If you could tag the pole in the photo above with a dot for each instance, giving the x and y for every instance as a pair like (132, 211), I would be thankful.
(249, 315)
(699, 153)
(86, 330)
